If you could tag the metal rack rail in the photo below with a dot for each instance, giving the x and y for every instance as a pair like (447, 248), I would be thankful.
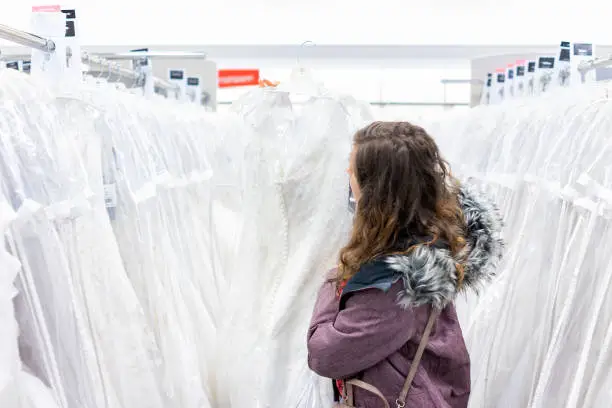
(100, 64)
(114, 69)
(26, 39)
(594, 64)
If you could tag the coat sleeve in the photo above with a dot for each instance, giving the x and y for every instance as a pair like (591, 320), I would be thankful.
(369, 329)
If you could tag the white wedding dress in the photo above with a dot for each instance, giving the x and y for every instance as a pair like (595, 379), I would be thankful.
(295, 219)
(18, 389)
(156, 160)
(83, 329)
(541, 335)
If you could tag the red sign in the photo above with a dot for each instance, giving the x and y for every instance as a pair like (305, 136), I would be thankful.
(46, 9)
(238, 77)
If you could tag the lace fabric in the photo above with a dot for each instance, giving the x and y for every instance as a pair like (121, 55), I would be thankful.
(168, 253)
(163, 190)
(296, 192)
(75, 301)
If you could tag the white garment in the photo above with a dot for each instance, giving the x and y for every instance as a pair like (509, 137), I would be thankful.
(541, 334)
(296, 217)
(128, 354)
(160, 224)
(77, 302)
(18, 389)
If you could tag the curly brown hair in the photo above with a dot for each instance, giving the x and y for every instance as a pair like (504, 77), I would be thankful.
(405, 189)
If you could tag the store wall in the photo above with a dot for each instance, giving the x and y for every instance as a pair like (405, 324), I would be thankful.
(408, 83)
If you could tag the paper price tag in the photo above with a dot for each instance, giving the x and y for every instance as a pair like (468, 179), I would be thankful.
(177, 76)
(59, 24)
(110, 195)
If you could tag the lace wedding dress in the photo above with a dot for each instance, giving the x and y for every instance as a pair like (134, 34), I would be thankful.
(160, 221)
(295, 219)
(82, 327)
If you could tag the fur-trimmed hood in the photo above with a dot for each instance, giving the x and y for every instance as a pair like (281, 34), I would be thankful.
(429, 273)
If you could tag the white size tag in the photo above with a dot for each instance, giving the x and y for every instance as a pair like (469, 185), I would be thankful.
(110, 195)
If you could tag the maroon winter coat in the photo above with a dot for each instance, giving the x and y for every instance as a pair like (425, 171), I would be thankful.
(372, 332)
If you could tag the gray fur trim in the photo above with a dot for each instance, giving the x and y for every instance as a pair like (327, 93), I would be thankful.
(486, 247)
(430, 275)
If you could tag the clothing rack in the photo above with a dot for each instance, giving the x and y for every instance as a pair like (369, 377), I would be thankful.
(594, 64)
(43, 44)
(155, 55)
(114, 69)
(26, 39)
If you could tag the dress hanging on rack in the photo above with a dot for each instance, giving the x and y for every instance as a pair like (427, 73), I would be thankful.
(18, 389)
(157, 162)
(295, 219)
(541, 334)
(75, 301)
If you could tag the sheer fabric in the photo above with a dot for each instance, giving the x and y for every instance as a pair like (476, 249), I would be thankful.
(18, 389)
(541, 335)
(160, 221)
(83, 329)
(169, 254)
(295, 219)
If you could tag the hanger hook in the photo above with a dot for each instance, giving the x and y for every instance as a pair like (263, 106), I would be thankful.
(94, 63)
(305, 44)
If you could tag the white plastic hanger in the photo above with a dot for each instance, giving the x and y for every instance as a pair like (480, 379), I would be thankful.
(301, 80)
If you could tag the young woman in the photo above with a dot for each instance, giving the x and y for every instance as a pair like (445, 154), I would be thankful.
(418, 239)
